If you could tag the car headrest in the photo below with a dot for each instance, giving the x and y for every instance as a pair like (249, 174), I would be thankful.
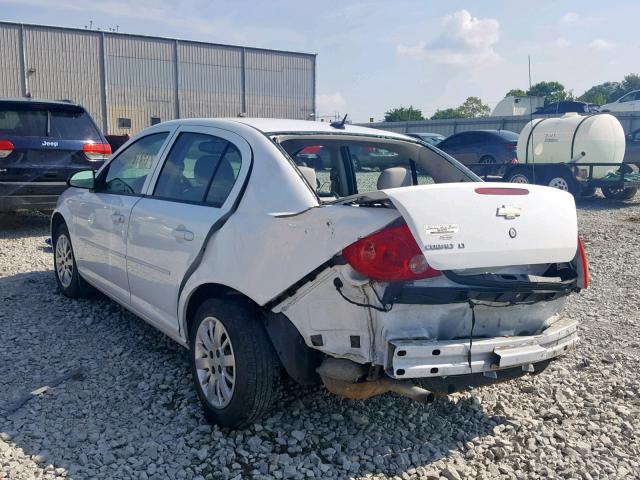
(212, 147)
(222, 183)
(310, 175)
(203, 168)
(394, 177)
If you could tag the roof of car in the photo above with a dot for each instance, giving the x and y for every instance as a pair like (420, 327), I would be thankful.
(37, 100)
(487, 130)
(278, 125)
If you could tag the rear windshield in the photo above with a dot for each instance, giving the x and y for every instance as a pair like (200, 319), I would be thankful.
(508, 136)
(66, 123)
(339, 166)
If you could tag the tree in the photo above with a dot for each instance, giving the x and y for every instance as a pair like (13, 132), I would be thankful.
(601, 94)
(474, 108)
(631, 82)
(516, 92)
(403, 114)
(447, 113)
(551, 91)
(471, 108)
(608, 92)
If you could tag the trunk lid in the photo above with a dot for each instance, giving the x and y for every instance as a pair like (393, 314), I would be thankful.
(485, 225)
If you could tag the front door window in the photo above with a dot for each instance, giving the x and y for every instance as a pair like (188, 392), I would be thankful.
(127, 173)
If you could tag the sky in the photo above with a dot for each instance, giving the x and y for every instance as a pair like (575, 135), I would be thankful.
(378, 54)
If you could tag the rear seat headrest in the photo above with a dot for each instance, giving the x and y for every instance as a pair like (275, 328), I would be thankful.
(394, 177)
(310, 175)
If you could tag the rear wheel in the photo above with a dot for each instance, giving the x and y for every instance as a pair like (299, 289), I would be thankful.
(235, 369)
(562, 179)
(619, 193)
(519, 175)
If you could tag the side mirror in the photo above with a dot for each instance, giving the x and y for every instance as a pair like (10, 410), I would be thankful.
(83, 179)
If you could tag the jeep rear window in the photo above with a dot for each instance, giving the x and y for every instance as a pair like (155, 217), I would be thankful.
(68, 123)
(23, 122)
(72, 125)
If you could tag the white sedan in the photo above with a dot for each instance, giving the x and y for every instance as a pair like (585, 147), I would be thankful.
(416, 278)
(627, 103)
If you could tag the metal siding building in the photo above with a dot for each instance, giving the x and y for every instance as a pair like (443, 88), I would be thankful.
(124, 79)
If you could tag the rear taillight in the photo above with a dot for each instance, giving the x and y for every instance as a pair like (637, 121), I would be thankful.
(97, 152)
(583, 266)
(511, 147)
(388, 256)
(502, 191)
(6, 147)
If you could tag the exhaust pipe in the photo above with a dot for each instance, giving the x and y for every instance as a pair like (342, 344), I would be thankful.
(349, 379)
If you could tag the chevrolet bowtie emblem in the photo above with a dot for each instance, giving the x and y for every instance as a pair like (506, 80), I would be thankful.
(508, 212)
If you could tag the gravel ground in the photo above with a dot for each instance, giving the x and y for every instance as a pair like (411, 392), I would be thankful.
(120, 403)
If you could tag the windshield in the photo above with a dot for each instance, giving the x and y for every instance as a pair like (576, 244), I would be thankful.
(431, 138)
(508, 135)
(342, 165)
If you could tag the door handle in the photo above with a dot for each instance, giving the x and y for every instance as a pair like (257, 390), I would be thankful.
(117, 218)
(181, 233)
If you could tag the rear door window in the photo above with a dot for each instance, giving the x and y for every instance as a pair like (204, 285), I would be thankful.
(199, 168)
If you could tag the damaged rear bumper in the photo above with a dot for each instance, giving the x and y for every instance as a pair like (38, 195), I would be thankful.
(417, 358)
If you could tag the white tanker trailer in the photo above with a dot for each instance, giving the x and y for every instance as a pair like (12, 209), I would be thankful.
(576, 153)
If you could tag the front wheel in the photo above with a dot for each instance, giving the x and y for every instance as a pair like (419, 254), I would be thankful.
(235, 369)
(619, 193)
(69, 281)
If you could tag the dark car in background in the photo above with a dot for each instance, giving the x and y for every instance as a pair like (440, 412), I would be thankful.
(430, 138)
(42, 143)
(492, 148)
(567, 106)
(632, 148)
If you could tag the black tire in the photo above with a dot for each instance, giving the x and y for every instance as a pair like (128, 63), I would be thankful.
(562, 179)
(619, 193)
(519, 175)
(256, 369)
(76, 287)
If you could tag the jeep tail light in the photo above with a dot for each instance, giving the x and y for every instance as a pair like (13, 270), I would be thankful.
(583, 267)
(97, 152)
(390, 255)
(6, 147)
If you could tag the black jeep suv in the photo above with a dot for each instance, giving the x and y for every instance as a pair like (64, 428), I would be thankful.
(41, 144)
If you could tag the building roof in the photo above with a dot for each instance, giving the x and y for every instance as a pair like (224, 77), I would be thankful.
(152, 37)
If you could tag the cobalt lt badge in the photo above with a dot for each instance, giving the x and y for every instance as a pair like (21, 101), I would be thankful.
(513, 233)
